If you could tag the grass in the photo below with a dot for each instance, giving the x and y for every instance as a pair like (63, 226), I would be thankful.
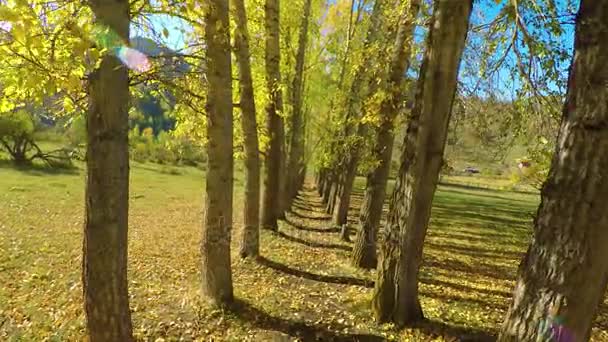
(303, 287)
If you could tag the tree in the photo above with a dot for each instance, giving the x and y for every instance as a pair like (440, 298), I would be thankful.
(104, 273)
(296, 151)
(250, 240)
(395, 295)
(271, 208)
(327, 176)
(364, 251)
(563, 276)
(16, 135)
(347, 168)
(217, 212)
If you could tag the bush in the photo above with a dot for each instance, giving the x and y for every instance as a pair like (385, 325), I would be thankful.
(17, 139)
(534, 176)
(16, 135)
(139, 152)
(164, 148)
(77, 132)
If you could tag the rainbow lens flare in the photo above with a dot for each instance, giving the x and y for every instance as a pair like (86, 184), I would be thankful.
(110, 40)
(133, 59)
(5, 26)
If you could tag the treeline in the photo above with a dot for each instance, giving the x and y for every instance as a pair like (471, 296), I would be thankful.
(562, 278)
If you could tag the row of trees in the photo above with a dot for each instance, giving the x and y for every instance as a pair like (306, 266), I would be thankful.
(564, 274)
(106, 225)
(562, 258)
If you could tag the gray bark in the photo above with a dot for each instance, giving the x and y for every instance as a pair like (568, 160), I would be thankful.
(296, 153)
(364, 251)
(250, 239)
(563, 276)
(104, 274)
(395, 296)
(347, 168)
(217, 213)
(271, 207)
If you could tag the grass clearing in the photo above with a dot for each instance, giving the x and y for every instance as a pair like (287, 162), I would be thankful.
(303, 287)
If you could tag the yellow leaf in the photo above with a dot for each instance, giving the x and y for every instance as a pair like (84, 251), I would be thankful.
(68, 105)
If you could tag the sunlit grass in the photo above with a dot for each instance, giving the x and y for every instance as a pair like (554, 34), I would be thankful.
(303, 287)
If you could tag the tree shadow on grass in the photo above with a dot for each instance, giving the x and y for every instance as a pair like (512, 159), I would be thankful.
(41, 170)
(308, 206)
(341, 280)
(459, 333)
(312, 243)
(463, 238)
(323, 332)
(469, 211)
(482, 269)
(305, 332)
(488, 190)
(344, 280)
(465, 288)
(300, 226)
(325, 217)
(307, 198)
(476, 251)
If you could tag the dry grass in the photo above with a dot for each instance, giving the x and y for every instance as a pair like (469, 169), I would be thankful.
(302, 288)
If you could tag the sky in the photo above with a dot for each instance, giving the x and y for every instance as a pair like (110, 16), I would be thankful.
(484, 11)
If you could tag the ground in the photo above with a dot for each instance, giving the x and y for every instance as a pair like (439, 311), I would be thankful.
(303, 286)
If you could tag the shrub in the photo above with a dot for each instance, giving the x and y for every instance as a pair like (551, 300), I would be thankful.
(164, 148)
(139, 152)
(77, 131)
(17, 139)
(16, 135)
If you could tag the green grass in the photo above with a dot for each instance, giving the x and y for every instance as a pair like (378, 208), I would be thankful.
(303, 287)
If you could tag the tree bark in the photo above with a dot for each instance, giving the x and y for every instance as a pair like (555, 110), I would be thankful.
(250, 239)
(296, 152)
(217, 213)
(364, 250)
(104, 274)
(347, 179)
(395, 296)
(321, 181)
(271, 206)
(329, 180)
(347, 167)
(333, 193)
(563, 276)
(282, 204)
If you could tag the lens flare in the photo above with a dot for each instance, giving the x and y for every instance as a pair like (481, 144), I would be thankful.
(555, 331)
(133, 59)
(5, 26)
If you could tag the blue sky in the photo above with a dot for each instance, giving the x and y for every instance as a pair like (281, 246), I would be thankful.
(484, 12)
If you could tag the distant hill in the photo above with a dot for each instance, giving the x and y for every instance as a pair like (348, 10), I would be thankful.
(174, 61)
(155, 108)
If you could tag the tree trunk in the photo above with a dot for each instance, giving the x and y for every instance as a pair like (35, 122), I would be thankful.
(321, 181)
(250, 239)
(329, 183)
(395, 296)
(282, 204)
(563, 277)
(364, 251)
(296, 152)
(342, 200)
(104, 274)
(271, 206)
(347, 168)
(217, 213)
(333, 193)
